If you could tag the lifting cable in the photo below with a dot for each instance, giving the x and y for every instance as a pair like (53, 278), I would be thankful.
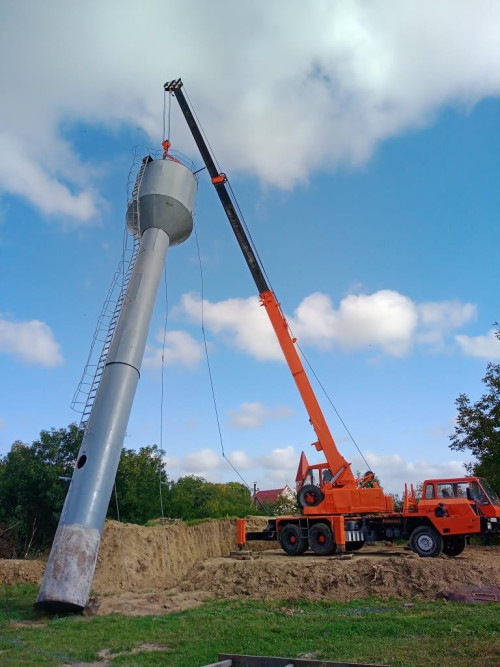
(234, 201)
(207, 357)
(166, 117)
(331, 403)
(166, 136)
(162, 399)
(262, 268)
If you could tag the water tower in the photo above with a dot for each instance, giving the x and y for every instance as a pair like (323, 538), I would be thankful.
(160, 215)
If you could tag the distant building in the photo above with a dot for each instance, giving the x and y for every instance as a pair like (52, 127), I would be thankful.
(272, 496)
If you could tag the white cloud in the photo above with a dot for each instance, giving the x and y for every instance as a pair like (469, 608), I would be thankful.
(180, 349)
(242, 322)
(354, 75)
(385, 320)
(171, 462)
(32, 342)
(393, 470)
(281, 458)
(22, 174)
(440, 318)
(278, 468)
(254, 415)
(201, 462)
(484, 347)
(240, 460)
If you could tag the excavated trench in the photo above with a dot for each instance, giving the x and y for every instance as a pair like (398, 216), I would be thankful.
(153, 570)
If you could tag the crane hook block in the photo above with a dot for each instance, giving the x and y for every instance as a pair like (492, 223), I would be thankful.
(220, 178)
(173, 85)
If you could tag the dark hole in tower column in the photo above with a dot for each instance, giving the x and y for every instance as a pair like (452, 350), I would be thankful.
(81, 461)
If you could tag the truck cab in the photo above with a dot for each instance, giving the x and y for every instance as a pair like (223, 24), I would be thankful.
(462, 490)
(457, 504)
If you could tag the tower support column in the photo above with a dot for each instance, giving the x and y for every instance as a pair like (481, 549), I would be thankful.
(167, 199)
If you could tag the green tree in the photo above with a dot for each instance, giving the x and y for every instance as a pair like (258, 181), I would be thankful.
(31, 491)
(478, 428)
(138, 486)
(34, 483)
(193, 497)
(286, 505)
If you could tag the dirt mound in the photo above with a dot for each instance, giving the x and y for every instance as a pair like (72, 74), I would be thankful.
(140, 558)
(277, 576)
(172, 566)
(273, 575)
(21, 571)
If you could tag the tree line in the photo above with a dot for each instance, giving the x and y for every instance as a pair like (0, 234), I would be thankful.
(34, 481)
(477, 428)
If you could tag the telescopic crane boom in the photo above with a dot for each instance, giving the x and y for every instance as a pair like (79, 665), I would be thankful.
(340, 512)
(339, 467)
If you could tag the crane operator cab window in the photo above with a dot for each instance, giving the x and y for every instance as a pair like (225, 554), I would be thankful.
(444, 491)
(429, 492)
(327, 475)
(482, 495)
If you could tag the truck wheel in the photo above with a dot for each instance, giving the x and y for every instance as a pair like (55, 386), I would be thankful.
(453, 546)
(321, 539)
(309, 495)
(426, 541)
(354, 546)
(291, 540)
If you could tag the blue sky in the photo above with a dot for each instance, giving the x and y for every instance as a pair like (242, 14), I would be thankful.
(365, 159)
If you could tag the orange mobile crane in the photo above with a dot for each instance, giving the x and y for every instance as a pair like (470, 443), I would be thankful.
(340, 511)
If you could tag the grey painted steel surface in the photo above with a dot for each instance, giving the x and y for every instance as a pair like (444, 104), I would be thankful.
(165, 219)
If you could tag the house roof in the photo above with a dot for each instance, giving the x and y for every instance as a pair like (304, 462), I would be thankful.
(269, 496)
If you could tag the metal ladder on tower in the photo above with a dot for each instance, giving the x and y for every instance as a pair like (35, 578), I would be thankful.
(101, 364)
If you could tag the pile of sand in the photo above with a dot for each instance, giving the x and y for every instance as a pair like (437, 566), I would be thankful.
(172, 566)
(135, 557)
(395, 573)
(21, 571)
(138, 557)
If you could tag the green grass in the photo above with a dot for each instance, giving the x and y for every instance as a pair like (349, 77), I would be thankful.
(371, 630)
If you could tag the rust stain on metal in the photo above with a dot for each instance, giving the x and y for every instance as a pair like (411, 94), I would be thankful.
(70, 569)
(473, 594)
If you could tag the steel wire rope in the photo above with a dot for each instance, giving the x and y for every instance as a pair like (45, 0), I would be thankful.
(166, 134)
(261, 265)
(331, 403)
(201, 129)
(212, 387)
(122, 541)
(235, 203)
(162, 403)
(162, 399)
(230, 189)
(165, 323)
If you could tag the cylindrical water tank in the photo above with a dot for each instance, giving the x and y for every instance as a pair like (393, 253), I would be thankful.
(166, 200)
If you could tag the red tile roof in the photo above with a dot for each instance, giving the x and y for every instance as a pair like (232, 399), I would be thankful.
(270, 496)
